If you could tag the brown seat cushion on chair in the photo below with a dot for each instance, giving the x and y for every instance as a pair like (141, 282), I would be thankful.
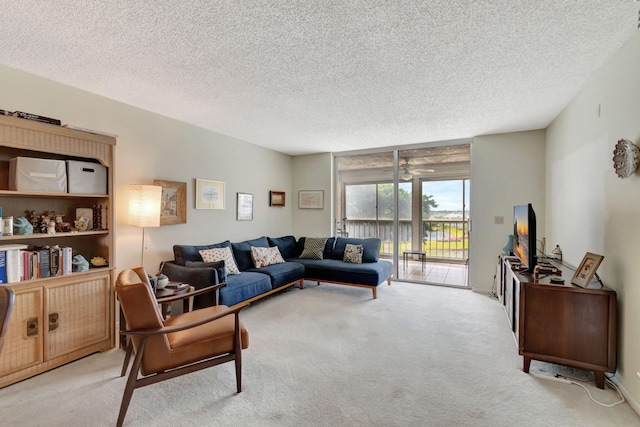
(197, 343)
(212, 330)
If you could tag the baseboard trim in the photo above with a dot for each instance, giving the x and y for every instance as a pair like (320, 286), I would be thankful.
(630, 400)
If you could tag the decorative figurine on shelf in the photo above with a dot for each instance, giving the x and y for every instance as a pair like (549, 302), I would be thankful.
(34, 220)
(82, 223)
(51, 228)
(79, 263)
(44, 222)
(58, 222)
(22, 227)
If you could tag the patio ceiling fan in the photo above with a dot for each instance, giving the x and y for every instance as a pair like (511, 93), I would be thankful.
(408, 170)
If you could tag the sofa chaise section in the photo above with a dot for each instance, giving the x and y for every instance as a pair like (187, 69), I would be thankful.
(333, 268)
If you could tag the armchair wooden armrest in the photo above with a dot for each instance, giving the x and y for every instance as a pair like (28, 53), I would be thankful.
(184, 326)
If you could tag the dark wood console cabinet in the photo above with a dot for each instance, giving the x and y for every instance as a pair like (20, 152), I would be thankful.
(560, 323)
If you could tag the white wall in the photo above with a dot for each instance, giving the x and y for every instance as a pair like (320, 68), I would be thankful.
(150, 146)
(506, 170)
(313, 172)
(589, 208)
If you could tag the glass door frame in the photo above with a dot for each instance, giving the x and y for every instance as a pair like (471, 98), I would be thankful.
(338, 187)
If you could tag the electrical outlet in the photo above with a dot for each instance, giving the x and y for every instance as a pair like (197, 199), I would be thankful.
(498, 220)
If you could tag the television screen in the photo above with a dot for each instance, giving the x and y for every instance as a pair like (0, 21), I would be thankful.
(524, 235)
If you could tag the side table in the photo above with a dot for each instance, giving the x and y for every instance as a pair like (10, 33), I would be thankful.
(171, 290)
(423, 256)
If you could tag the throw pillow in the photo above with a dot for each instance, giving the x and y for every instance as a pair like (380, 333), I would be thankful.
(221, 254)
(353, 253)
(263, 257)
(313, 247)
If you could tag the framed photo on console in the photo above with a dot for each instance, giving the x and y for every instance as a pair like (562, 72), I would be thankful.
(587, 269)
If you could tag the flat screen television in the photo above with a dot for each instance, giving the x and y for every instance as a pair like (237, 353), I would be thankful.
(524, 236)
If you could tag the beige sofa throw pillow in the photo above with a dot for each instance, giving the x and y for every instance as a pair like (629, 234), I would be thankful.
(353, 253)
(263, 257)
(221, 254)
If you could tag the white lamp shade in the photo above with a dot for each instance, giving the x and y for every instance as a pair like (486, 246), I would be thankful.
(144, 205)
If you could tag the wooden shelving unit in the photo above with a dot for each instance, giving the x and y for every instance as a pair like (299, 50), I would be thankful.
(59, 319)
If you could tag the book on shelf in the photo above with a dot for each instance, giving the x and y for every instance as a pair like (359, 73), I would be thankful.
(12, 262)
(67, 260)
(54, 261)
(36, 118)
(44, 269)
(35, 264)
(19, 263)
(3, 268)
(25, 264)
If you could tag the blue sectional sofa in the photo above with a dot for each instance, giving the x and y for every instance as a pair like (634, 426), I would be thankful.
(254, 283)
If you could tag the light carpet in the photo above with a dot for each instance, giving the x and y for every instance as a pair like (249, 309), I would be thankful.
(330, 355)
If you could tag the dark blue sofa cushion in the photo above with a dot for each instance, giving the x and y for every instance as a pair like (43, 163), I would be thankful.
(371, 248)
(218, 266)
(198, 275)
(184, 253)
(282, 274)
(333, 270)
(242, 251)
(244, 286)
(286, 245)
(328, 247)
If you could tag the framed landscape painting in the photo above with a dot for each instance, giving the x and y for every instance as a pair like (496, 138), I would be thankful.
(311, 199)
(173, 205)
(277, 198)
(209, 194)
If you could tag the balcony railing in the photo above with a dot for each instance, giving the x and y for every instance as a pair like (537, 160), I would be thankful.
(446, 240)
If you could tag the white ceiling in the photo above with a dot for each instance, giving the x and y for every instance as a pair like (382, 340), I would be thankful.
(330, 75)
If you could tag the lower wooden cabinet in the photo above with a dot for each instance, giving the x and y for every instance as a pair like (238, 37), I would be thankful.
(57, 321)
(560, 322)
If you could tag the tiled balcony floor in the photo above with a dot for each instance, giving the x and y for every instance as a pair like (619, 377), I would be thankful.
(434, 272)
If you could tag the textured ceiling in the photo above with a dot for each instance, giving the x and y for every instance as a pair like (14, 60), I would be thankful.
(333, 75)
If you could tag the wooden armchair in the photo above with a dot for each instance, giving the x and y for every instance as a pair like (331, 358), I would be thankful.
(7, 298)
(179, 345)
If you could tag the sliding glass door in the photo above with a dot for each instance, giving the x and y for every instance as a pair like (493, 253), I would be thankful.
(415, 202)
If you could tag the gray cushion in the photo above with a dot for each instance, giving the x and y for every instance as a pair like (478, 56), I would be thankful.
(313, 248)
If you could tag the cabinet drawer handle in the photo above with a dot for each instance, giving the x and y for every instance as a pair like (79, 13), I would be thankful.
(53, 322)
(32, 327)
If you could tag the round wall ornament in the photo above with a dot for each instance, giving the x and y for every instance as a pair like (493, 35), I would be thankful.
(626, 157)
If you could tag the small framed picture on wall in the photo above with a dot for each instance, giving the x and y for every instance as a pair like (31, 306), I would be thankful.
(311, 199)
(277, 198)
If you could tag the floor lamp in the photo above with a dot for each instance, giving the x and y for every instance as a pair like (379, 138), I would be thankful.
(144, 208)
